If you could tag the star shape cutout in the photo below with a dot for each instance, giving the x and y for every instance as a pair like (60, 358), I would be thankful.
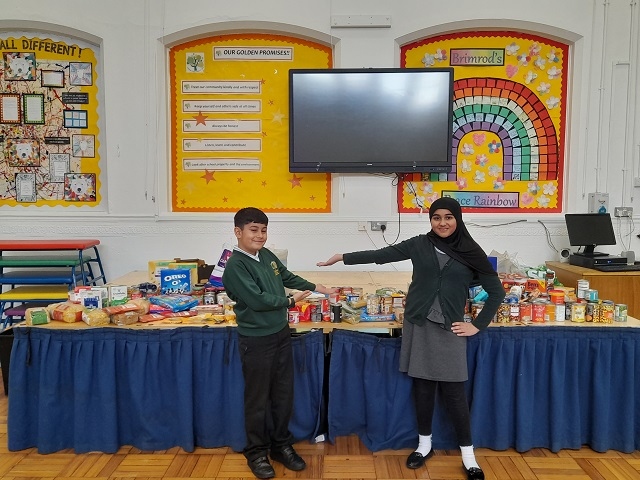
(225, 199)
(240, 180)
(208, 176)
(295, 181)
(200, 119)
(264, 183)
(277, 117)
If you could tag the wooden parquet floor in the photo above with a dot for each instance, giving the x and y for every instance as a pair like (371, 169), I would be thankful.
(348, 458)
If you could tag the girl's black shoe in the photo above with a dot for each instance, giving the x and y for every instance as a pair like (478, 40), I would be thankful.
(416, 459)
(475, 473)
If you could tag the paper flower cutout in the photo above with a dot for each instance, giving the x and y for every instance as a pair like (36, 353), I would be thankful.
(461, 183)
(441, 55)
(478, 177)
(543, 201)
(554, 72)
(549, 189)
(467, 149)
(494, 147)
(495, 170)
(428, 60)
(512, 48)
(481, 160)
(552, 102)
(543, 88)
(533, 187)
(530, 77)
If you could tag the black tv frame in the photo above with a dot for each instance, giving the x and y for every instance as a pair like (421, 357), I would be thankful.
(362, 166)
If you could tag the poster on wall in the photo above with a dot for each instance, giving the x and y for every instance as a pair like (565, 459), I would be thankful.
(509, 109)
(230, 128)
(48, 122)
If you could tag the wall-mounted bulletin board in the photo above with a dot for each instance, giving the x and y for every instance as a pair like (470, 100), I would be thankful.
(509, 109)
(230, 130)
(49, 135)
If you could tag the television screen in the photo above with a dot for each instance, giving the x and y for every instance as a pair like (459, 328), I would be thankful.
(387, 120)
(590, 229)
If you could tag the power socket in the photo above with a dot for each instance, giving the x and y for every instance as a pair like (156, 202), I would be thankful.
(623, 212)
(378, 226)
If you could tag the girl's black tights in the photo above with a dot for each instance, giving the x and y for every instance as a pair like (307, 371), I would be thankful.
(455, 401)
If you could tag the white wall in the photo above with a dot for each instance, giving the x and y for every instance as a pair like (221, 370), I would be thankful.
(603, 127)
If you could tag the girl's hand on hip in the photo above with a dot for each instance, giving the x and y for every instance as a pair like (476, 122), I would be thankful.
(464, 329)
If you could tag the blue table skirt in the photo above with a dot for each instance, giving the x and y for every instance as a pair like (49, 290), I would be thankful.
(551, 387)
(98, 389)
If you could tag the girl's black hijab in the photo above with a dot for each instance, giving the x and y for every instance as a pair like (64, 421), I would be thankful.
(459, 245)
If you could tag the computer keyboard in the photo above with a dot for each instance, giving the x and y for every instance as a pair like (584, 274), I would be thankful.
(617, 267)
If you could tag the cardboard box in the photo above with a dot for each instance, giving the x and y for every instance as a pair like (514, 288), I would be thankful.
(154, 269)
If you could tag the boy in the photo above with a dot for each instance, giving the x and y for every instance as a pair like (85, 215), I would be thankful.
(254, 278)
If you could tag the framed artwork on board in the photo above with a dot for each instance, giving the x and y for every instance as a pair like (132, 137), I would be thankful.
(10, 111)
(52, 78)
(75, 118)
(26, 188)
(80, 73)
(19, 66)
(83, 146)
(33, 108)
(23, 152)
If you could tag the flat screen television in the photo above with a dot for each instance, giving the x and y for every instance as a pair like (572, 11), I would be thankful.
(373, 120)
(589, 230)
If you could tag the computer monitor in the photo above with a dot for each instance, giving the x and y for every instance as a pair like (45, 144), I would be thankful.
(588, 230)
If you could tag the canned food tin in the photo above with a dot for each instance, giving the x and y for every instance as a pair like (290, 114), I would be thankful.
(514, 312)
(567, 311)
(294, 316)
(560, 312)
(620, 312)
(526, 312)
(591, 295)
(583, 286)
(352, 297)
(592, 312)
(502, 316)
(336, 313)
(578, 312)
(386, 305)
(373, 304)
(539, 308)
(209, 297)
(316, 311)
(476, 308)
(550, 312)
(607, 311)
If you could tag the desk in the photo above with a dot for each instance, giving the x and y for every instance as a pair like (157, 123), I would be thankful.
(549, 386)
(621, 287)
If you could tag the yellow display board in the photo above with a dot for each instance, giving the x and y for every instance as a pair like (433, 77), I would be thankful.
(48, 123)
(230, 131)
(509, 111)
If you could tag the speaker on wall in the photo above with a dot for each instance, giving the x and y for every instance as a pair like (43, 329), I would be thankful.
(564, 254)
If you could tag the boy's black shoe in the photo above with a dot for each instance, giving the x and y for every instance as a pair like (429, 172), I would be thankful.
(289, 458)
(261, 467)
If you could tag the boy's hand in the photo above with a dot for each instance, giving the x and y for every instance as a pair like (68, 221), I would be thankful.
(326, 290)
(300, 295)
(335, 259)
